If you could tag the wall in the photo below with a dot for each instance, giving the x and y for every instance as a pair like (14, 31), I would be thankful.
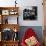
(6, 3)
(22, 4)
(38, 22)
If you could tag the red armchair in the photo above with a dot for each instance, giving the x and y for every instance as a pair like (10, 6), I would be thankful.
(28, 34)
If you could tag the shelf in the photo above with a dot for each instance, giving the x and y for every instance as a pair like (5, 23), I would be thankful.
(4, 8)
(9, 23)
(9, 11)
(10, 41)
(5, 12)
(9, 19)
(10, 26)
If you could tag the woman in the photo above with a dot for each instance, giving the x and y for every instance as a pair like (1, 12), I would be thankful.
(30, 38)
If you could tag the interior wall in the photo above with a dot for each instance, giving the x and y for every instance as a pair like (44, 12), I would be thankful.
(7, 3)
(22, 4)
(39, 21)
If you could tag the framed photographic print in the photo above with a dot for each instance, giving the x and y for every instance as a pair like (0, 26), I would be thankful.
(13, 12)
(30, 13)
(5, 12)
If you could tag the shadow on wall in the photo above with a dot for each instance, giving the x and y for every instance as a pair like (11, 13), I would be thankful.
(37, 29)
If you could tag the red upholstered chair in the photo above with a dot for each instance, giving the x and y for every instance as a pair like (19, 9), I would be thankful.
(29, 33)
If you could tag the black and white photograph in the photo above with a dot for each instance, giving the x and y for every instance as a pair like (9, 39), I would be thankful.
(30, 13)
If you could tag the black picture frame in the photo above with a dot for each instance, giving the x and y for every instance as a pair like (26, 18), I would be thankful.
(30, 14)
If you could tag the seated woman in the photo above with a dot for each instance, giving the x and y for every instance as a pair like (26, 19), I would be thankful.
(30, 38)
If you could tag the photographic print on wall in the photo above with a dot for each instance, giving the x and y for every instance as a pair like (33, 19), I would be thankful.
(30, 13)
